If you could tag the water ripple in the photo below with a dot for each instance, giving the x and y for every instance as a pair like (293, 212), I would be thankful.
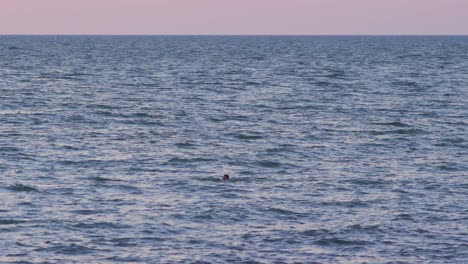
(340, 149)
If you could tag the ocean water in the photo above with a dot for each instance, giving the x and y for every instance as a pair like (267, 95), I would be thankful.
(340, 149)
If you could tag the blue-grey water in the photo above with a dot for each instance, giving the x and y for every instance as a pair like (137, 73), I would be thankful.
(340, 149)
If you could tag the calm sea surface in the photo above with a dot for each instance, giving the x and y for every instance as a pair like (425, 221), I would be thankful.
(340, 149)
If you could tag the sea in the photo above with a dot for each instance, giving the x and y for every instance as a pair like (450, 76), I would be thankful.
(340, 149)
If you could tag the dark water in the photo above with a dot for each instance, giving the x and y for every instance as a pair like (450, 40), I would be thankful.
(340, 149)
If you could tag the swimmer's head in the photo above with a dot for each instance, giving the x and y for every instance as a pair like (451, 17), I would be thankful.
(226, 177)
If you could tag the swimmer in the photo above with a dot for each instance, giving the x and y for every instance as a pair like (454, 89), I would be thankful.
(226, 177)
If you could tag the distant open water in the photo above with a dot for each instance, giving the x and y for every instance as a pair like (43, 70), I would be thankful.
(340, 149)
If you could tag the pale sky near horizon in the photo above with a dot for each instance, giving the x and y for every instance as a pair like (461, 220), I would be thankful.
(244, 17)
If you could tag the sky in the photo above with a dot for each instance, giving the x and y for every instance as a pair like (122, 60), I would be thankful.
(234, 17)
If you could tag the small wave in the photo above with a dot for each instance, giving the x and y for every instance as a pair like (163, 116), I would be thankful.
(450, 167)
(395, 124)
(249, 137)
(92, 162)
(406, 83)
(269, 164)
(101, 179)
(103, 106)
(178, 160)
(26, 203)
(18, 187)
(367, 182)
(204, 216)
(251, 83)
(10, 222)
(332, 73)
(9, 149)
(143, 122)
(341, 242)
(311, 232)
(72, 249)
(456, 142)
(349, 204)
(108, 113)
(317, 233)
(217, 119)
(129, 259)
(153, 238)
(71, 77)
(67, 147)
(185, 144)
(71, 162)
(363, 228)
(80, 119)
(26, 156)
(279, 150)
(61, 76)
(258, 58)
(323, 83)
(405, 217)
(99, 225)
(422, 231)
(208, 179)
(283, 211)
(123, 242)
(142, 115)
(335, 75)
(85, 212)
(398, 132)
(128, 188)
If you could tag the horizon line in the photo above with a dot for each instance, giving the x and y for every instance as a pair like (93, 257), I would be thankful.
(253, 35)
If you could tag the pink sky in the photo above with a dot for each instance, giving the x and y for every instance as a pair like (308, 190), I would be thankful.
(327, 17)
